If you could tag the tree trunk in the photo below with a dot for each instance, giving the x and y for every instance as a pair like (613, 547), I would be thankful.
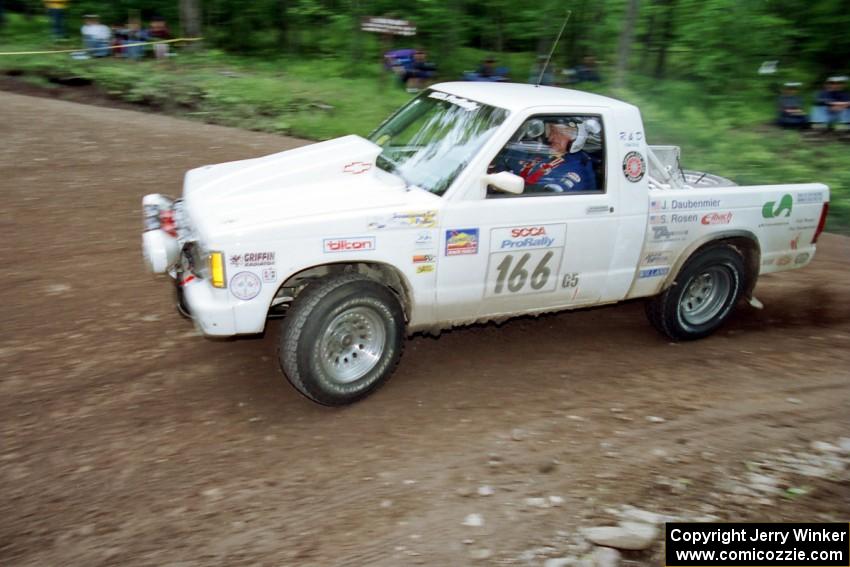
(283, 24)
(626, 37)
(356, 34)
(666, 38)
(190, 19)
(647, 40)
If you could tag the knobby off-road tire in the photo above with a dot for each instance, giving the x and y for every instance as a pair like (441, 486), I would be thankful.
(702, 296)
(341, 339)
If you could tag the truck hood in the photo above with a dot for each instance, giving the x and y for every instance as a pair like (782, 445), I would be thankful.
(337, 177)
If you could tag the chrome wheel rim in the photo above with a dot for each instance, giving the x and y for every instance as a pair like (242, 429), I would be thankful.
(352, 344)
(705, 295)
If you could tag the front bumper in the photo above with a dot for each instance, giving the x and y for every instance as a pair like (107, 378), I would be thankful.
(212, 316)
(169, 246)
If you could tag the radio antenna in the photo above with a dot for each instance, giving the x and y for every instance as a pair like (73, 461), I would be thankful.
(554, 45)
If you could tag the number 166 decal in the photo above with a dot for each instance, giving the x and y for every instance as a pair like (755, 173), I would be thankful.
(535, 271)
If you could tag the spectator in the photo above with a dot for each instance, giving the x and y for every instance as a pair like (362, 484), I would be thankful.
(419, 72)
(832, 105)
(159, 31)
(96, 36)
(487, 69)
(56, 14)
(131, 35)
(791, 113)
(587, 71)
(487, 72)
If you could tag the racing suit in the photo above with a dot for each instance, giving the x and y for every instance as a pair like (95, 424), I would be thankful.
(553, 173)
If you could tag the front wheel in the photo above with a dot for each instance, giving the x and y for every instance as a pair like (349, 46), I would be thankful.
(701, 297)
(341, 339)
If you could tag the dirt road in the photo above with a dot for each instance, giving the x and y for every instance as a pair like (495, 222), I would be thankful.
(126, 438)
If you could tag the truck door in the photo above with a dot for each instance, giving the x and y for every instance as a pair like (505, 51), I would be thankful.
(546, 248)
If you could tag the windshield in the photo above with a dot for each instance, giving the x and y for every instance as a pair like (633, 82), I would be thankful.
(430, 141)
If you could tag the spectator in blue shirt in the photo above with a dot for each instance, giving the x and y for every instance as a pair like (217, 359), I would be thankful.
(832, 105)
(791, 113)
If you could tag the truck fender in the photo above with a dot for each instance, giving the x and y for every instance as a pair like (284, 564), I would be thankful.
(744, 240)
(384, 273)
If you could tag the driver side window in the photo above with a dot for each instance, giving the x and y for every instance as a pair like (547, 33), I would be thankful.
(555, 154)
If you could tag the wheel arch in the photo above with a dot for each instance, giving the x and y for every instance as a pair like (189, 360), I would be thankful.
(381, 272)
(744, 241)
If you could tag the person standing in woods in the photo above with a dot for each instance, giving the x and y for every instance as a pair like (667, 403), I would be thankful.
(158, 30)
(791, 113)
(56, 14)
(832, 105)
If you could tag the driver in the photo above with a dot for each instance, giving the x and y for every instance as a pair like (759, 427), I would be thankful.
(564, 166)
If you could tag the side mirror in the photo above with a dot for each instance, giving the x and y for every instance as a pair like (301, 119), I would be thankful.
(506, 182)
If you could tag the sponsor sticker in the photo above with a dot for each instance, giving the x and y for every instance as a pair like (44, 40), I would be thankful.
(252, 259)
(810, 197)
(425, 268)
(417, 219)
(667, 235)
(717, 218)
(245, 285)
(634, 166)
(795, 242)
(802, 258)
(357, 167)
(656, 258)
(654, 272)
(424, 240)
(461, 241)
(269, 275)
(405, 219)
(633, 136)
(527, 237)
(424, 258)
(351, 244)
(779, 208)
(461, 102)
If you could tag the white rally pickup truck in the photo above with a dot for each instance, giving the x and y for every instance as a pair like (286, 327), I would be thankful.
(474, 202)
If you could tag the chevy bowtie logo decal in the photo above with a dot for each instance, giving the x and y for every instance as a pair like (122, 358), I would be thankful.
(357, 167)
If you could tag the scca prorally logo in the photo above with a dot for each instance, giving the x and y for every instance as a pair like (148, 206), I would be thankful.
(773, 209)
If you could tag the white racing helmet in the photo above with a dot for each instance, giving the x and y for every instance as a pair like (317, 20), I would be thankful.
(585, 128)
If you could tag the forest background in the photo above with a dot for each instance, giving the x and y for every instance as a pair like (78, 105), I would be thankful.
(304, 67)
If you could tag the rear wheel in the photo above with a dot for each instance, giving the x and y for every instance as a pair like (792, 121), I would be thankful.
(702, 296)
(341, 339)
